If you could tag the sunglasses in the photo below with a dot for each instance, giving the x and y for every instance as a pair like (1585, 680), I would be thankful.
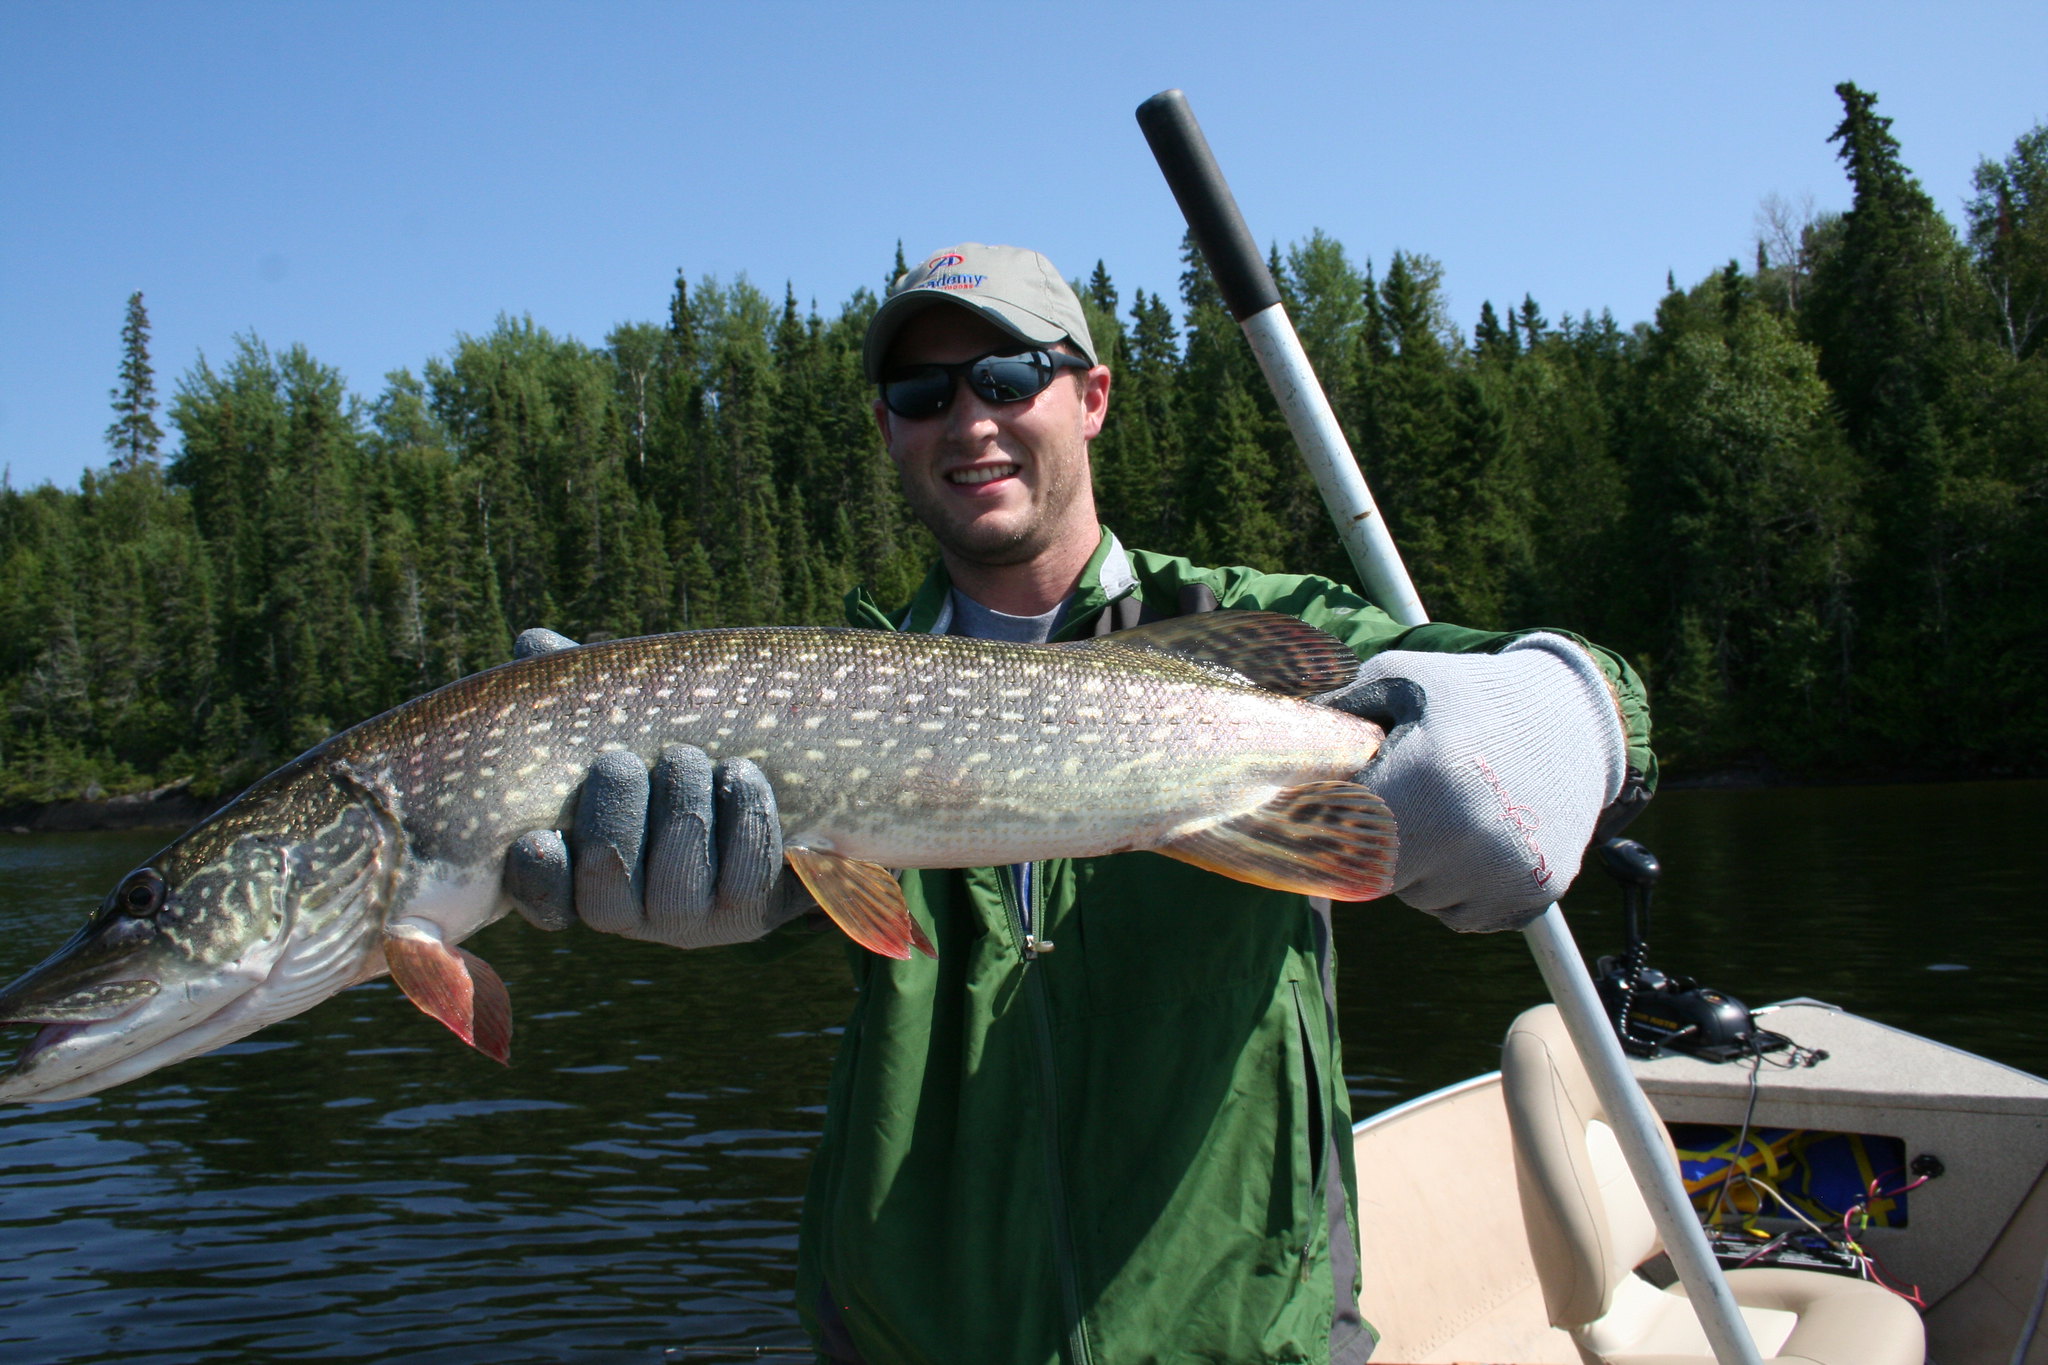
(927, 389)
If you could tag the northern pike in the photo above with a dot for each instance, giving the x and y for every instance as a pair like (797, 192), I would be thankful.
(381, 849)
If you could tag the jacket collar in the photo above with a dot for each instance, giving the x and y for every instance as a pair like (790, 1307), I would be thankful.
(1108, 576)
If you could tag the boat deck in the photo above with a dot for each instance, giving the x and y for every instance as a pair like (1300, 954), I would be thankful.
(1445, 1255)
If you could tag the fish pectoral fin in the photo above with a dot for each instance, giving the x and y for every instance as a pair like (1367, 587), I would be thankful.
(1332, 839)
(456, 987)
(863, 899)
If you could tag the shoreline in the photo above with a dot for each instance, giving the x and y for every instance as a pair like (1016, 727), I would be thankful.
(171, 806)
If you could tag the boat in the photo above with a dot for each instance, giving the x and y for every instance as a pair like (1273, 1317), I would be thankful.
(1448, 1263)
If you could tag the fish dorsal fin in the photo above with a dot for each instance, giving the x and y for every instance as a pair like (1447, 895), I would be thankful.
(1264, 648)
(862, 898)
(457, 987)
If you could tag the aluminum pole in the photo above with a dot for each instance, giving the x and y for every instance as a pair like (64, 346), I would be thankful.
(1253, 298)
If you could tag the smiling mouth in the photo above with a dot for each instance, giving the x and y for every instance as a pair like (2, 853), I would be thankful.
(980, 474)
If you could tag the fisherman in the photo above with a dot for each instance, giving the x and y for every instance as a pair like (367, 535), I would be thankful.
(1109, 1123)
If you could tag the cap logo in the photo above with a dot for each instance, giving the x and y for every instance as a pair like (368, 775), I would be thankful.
(939, 273)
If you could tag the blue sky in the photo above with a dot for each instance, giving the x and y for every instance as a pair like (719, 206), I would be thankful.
(372, 180)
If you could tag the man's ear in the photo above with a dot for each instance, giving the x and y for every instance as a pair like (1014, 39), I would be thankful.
(1094, 401)
(881, 411)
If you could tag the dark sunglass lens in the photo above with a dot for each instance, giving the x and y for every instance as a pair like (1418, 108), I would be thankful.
(919, 391)
(1011, 378)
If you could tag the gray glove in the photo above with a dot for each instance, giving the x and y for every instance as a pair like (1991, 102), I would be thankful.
(689, 856)
(1496, 767)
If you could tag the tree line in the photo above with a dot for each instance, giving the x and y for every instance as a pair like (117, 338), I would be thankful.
(1807, 498)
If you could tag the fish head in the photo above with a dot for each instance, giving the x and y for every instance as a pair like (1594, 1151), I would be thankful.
(249, 918)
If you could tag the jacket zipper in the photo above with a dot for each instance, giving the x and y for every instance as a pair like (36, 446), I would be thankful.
(1022, 917)
(1319, 1161)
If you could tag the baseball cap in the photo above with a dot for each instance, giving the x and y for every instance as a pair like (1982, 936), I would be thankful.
(1017, 290)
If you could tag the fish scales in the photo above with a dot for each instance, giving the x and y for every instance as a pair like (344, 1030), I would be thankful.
(909, 751)
(381, 849)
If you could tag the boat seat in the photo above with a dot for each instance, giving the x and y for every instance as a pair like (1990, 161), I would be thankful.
(1589, 1229)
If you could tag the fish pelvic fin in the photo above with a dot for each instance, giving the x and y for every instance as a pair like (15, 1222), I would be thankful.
(456, 987)
(1332, 839)
(1264, 648)
(862, 898)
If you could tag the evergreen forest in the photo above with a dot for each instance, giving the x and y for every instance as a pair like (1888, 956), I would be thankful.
(1809, 498)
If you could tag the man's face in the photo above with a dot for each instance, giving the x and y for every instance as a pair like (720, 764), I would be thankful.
(996, 483)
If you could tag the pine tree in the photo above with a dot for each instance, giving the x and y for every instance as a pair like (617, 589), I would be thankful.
(134, 435)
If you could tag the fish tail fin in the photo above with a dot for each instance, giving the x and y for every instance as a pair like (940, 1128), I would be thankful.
(1332, 839)
(456, 987)
(862, 898)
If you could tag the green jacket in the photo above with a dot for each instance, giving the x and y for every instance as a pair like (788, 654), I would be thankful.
(1131, 1146)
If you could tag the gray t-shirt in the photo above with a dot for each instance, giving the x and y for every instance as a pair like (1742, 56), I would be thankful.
(977, 622)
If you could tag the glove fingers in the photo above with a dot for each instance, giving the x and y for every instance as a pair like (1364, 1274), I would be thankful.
(533, 643)
(537, 880)
(749, 841)
(681, 864)
(610, 828)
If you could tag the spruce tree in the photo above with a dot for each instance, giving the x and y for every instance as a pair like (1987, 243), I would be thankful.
(134, 435)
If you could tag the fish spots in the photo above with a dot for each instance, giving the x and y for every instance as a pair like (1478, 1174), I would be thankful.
(708, 693)
(813, 722)
(858, 775)
(780, 693)
(794, 778)
(766, 722)
(866, 716)
(930, 725)
(540, 727)
(847, 742)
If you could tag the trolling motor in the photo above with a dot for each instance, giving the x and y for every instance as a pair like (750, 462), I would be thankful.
(1650, 1009)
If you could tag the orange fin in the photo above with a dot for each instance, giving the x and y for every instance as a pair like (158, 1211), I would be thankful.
(458, 988)
(1264, 648)
(863, 899)
(1332, 839)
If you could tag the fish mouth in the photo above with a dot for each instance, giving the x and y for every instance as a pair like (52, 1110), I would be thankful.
(67, 1017)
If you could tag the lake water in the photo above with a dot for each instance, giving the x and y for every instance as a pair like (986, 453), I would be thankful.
(354, 1185)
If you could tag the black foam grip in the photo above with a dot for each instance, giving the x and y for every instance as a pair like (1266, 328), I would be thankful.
(1204, 197)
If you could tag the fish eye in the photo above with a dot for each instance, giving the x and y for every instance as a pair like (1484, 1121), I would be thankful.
(141, 893)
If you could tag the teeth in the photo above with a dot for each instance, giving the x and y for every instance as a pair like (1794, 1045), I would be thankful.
(982, 474)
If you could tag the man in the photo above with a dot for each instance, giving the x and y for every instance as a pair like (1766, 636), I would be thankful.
(1109, 1121)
